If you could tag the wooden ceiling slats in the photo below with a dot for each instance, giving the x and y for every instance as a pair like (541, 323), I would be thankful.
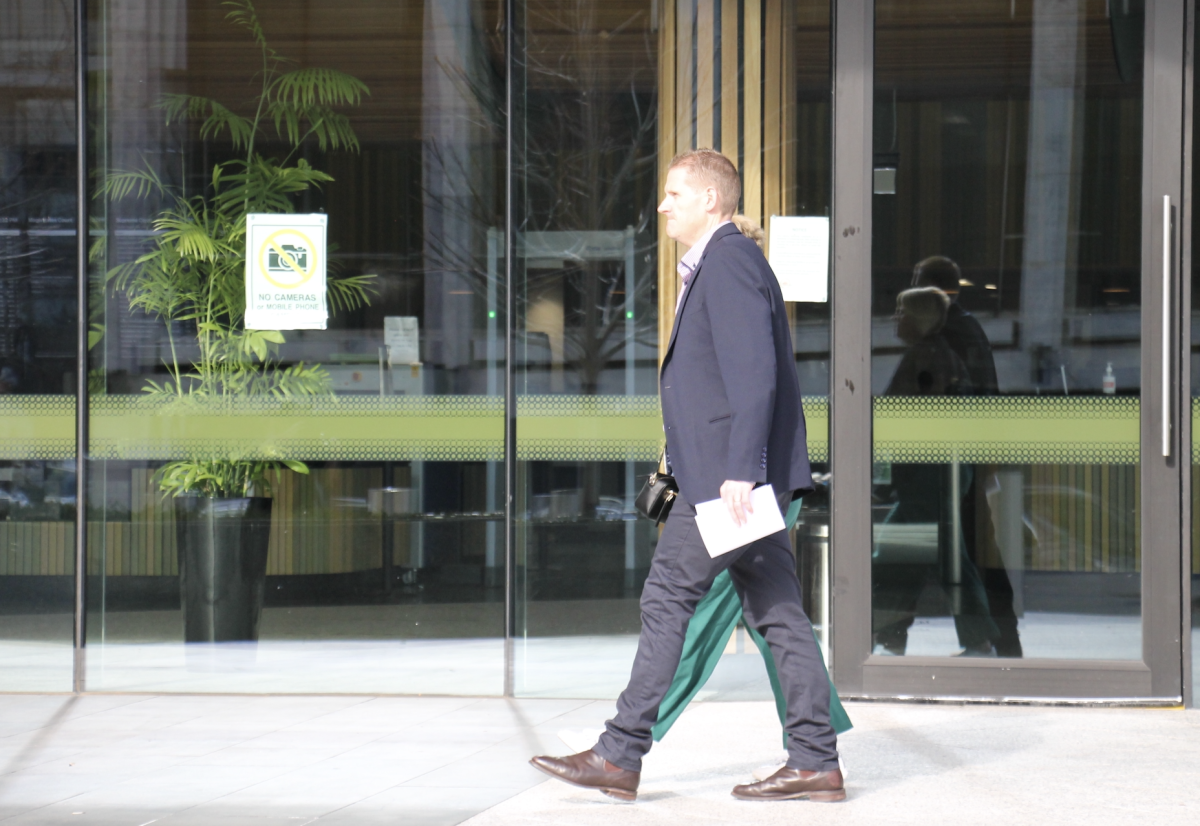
(974, 48)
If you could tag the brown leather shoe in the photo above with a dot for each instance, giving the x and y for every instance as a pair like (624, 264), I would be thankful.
(793, 784)
(591, 771)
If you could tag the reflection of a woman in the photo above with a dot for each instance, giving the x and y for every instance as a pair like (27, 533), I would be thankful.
(929, 368)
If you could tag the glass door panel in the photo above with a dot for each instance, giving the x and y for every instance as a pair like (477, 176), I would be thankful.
(588, 424)
(611, 92)
(1006, 331)
(382, 566)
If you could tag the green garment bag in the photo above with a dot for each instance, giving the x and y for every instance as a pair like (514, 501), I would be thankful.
(708, 631)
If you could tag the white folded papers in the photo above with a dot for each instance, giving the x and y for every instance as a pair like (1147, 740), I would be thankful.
(722, 535)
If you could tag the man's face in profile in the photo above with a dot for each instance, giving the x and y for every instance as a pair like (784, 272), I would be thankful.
(687, 208)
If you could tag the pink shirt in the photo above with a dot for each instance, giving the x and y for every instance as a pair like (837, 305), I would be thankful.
(691, 259)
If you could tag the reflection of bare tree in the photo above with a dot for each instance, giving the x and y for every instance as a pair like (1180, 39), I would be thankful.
(459, 176)
(588, 163)
(475, 205)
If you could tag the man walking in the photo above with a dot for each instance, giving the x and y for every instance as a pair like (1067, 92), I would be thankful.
(733, 420)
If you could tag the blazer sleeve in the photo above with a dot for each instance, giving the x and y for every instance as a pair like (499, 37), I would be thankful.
(738, 304)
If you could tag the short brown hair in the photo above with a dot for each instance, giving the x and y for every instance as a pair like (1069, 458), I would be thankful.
(937, 271)
(709, 167)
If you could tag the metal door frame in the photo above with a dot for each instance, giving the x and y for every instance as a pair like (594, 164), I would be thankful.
(1184, 354)
(1159, 676)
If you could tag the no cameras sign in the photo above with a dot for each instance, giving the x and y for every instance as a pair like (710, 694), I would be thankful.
(285, 272)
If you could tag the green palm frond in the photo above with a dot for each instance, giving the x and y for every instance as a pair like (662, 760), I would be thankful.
(304, 88)
(155, 292)
(347, 293)
(121, 183)
(295, 124)
(217, 118)
(98, 249)
(332, 130)
(244, 15)
(228, 286)
(264, 186)
(258, 342)
(297, 380)
(191, 238)
(120, 275)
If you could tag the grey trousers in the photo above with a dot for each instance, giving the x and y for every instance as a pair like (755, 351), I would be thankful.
(764, 574)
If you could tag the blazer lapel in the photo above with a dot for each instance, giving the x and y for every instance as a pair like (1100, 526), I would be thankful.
(728, 229)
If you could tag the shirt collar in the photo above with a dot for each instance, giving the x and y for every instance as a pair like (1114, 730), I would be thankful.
(691, 258)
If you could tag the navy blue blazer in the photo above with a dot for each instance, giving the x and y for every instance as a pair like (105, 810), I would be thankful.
(730, 397)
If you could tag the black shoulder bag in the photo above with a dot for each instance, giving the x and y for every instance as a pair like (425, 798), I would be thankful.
(657, 495)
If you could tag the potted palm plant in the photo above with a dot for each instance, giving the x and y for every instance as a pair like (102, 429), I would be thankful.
(192, 276)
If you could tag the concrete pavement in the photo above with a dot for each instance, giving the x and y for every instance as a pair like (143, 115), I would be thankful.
(186, 760)
(913, 765)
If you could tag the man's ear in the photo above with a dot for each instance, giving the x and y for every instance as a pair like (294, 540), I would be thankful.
(711, 199)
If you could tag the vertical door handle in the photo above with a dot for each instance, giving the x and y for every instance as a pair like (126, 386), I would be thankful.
(1166, 326)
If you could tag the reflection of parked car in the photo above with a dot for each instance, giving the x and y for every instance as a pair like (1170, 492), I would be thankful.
(32, 491)
(567, 505)
(558, 504)
(612, 509)
(14, 498)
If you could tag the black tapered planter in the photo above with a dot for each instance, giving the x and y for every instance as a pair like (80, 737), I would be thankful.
(222, 565)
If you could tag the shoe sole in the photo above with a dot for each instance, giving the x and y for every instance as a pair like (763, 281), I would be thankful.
(834, 796)
(617, 794)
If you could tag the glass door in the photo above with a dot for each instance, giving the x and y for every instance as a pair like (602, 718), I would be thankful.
(1024, 460)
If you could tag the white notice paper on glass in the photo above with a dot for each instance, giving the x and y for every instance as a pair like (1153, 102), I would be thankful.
(799, 254)
(722, 535)
(402, 336)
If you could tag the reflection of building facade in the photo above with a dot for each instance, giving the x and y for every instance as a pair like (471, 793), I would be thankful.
(471, 472)
(37, 272)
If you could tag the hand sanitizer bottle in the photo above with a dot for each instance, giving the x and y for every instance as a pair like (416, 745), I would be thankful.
(1109, 383)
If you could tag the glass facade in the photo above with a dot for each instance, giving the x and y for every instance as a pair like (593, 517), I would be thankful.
(427, 495)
